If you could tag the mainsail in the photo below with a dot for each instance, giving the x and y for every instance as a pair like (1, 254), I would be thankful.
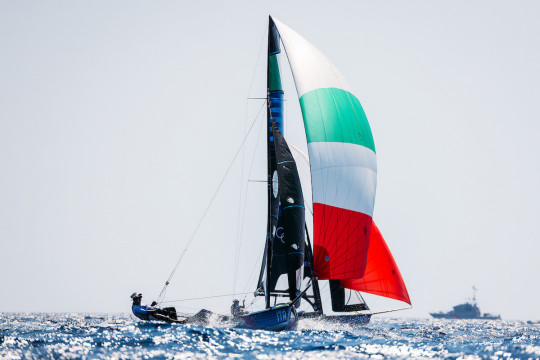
(285, 243)
(289, 236)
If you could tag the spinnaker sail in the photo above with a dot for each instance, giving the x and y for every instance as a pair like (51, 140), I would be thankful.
(343, 160)
(348, 248)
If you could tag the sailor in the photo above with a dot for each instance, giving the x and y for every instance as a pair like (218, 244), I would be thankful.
(145, 312)
(141, 311)
(236, 309)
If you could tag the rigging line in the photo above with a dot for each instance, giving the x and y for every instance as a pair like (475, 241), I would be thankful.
(240, 231)
(310, 209)
(304, 156)
(387, 311)
(250, 305)
(324, 287)
(244, 212)
(257, 62)
(185, 307)
(253, 271)
(240, 223)
(162, 293)
(204, 297)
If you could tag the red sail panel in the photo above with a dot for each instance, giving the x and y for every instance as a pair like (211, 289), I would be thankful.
(341, 242)
(382, 276)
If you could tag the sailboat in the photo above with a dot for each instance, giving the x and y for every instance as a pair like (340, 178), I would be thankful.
(285, 236)
(348, 250)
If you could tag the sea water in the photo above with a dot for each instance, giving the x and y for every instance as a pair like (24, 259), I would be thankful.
(119, 336)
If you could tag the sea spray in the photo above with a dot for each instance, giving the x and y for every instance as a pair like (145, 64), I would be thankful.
(65, 336)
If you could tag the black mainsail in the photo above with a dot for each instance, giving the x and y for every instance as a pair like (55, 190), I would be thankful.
(289, 237)
(285, 237)
(286, 244)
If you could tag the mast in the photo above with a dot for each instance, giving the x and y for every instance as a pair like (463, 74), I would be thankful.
(285, 236)
(274, 112)
(268, 247)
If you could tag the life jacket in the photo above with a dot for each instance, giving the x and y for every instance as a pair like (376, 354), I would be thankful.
(142, 311)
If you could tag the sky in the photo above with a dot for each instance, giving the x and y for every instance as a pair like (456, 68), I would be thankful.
(118, 121)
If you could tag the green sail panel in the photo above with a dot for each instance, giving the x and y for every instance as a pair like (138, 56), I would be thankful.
(335, 115)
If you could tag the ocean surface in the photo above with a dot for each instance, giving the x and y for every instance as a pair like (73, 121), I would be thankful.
(73, 336)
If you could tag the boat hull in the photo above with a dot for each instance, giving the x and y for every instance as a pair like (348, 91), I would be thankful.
(277, 318)
(360, 319)
(353, 319)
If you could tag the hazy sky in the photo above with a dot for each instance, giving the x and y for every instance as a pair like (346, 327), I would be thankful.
(118, 120)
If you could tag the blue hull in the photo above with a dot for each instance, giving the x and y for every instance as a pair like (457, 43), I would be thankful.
(277, 318)
(356, 319)
(359, 319)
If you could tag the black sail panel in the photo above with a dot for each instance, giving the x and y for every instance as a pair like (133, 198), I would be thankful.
(279, 257)
(289, 237)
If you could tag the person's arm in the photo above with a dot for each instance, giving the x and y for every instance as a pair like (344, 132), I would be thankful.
(148, 309)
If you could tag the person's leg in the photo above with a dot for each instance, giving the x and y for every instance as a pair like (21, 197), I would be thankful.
(159, 315)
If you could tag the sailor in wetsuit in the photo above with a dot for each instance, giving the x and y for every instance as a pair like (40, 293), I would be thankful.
(236, 309)
(145, 312)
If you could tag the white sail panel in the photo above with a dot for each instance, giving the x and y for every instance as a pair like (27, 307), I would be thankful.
(338, 170)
